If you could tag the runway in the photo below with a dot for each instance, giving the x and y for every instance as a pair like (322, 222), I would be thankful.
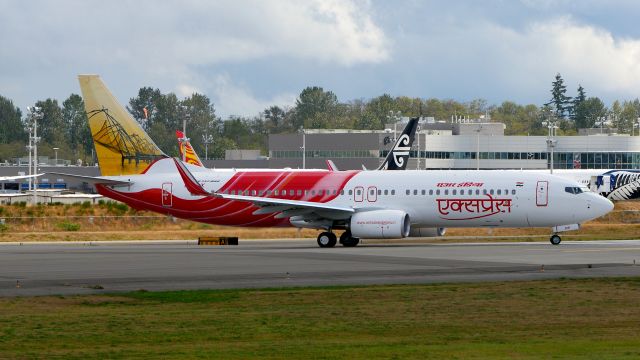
(44, 269)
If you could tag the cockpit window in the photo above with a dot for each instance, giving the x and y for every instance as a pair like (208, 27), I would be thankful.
(573, 190)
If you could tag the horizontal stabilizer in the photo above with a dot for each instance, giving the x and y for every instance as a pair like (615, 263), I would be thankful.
(18, 177)
(93, 180)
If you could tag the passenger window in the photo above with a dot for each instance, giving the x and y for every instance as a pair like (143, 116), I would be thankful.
(275, 192)
(506, 191)
(291, 192)
(438, 192)
(313, 192)
(350, 192)
(424, 192)
(446, 191)
(261, 192)
(299, 192)
(477, 191)
(372, 192)
(341, 191)
(415, 192)
(335, 192)
(408, 191)
(454, 192)
(379, 192)
(513, 192)
(393, 192)
(491, 191)
(430, 191)
(484, 191)
(268, 192)
(386, 192)
(499, 192)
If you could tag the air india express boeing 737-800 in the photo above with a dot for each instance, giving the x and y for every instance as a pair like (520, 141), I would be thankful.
(366, 204)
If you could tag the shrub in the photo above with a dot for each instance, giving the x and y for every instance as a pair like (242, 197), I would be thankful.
(68, 226)
(3, 227)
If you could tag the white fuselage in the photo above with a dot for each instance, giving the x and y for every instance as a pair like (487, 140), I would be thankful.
(431, 198)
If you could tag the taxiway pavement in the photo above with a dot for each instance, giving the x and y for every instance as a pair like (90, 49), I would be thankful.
(43, 269)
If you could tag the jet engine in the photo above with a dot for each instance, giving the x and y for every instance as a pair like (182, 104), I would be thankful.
(380, 224)
(427, 232)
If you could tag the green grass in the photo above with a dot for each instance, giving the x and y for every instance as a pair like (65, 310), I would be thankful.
(592, 319)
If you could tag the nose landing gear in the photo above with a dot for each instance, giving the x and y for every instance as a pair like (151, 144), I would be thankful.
(555, 239)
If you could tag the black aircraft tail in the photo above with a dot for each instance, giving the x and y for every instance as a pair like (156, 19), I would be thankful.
(398, 156)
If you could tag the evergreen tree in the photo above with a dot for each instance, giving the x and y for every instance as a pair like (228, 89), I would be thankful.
(11, 127)
(559, 99)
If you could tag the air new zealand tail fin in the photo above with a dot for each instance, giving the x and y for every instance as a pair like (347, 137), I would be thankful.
(122, 146)
(398, 157)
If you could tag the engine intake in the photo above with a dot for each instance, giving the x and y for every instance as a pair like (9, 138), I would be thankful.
(380, 224)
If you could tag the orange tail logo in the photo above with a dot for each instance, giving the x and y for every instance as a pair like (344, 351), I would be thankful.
(186, 150)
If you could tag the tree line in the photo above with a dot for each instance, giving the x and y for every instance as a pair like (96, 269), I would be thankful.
(65, 125)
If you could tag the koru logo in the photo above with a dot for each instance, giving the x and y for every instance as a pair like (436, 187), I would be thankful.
(401, 149)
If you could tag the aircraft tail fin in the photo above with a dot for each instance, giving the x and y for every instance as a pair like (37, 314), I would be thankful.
(398, 157)
(187, 153)
(122, 146)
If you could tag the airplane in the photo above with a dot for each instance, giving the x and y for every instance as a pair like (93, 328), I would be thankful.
(396, 159)
(187, 153)
(365, 204)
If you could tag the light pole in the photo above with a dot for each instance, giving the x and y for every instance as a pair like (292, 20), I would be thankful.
(303, 147)
(30, 148)
(636, 125)
(478, 146)
(206, 139)
(395, 117)
(56, 150)
(551, 141)
(35, 114)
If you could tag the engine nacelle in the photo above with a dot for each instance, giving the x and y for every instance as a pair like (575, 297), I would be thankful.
(380, 224)
(427, 232)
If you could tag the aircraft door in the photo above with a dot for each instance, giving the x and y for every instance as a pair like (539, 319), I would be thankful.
(358, 196)
(542, 193)
(372, 194)
(167, 197)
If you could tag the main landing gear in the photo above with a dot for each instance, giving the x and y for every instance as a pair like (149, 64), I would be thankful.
(555, 239)
(328, 239)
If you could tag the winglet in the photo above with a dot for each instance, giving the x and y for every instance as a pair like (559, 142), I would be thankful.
(189, 180)
(331, 166)
(398, 157)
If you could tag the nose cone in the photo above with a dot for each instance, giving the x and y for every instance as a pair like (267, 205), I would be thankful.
(600, 205)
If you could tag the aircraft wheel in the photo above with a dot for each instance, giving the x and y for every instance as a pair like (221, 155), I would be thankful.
(347, 240)
(327, 239)
(555, 239)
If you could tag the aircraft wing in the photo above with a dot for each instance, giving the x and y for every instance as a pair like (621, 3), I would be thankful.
(94, 180)
(18, 177)
(287, 207)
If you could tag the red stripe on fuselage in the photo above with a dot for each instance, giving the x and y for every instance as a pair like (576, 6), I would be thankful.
(306, 186)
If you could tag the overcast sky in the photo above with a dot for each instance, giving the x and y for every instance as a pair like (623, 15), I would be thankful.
(247, 55)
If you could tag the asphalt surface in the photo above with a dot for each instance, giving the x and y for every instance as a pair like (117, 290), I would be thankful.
(44, 269)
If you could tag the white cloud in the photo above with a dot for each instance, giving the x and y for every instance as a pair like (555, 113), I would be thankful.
(520, 64)
(233, 99)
